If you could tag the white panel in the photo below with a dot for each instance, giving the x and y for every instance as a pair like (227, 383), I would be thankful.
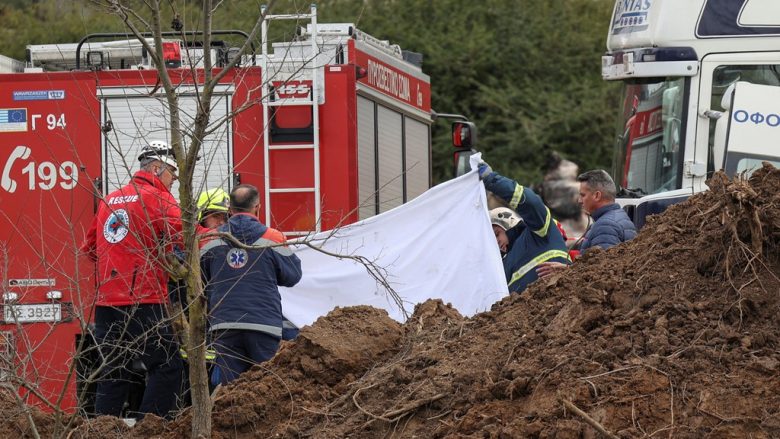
(750, 134)
(391, 179)
(138, 120)
(760, 13)
(366, 159)
(418, 166)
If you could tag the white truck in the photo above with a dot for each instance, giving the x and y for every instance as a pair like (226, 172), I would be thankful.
(701, 92)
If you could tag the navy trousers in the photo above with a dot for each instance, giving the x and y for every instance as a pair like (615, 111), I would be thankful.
(129, 333)
(239, 349)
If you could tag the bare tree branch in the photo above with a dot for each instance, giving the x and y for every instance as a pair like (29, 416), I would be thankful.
(378, 273)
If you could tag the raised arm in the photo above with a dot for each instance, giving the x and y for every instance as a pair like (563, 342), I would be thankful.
(522, 200)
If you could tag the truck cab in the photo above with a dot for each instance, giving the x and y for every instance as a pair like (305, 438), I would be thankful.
(677, 61)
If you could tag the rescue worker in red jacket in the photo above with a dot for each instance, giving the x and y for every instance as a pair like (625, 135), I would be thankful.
(135, 227)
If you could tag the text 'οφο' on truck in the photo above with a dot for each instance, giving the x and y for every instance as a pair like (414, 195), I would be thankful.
(701, 89)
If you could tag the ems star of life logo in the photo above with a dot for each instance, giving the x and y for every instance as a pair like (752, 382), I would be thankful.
(237, 257)
(115, 229)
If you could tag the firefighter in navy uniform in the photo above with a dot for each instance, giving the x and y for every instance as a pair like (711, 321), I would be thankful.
(245, 307)
(135, 227)
(533, 240)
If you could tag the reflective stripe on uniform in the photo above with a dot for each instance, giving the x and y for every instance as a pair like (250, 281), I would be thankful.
(282, 250)
(261, 242)
(544, 257)
(516, 197)
(268, 329)
(547, 220)
(214, 243)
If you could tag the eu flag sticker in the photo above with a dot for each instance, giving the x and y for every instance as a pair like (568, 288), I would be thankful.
(13, 119)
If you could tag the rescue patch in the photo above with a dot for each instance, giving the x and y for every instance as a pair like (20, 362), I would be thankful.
(116, 227)
(237, 257)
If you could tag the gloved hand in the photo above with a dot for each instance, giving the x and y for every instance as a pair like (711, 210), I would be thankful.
(484, 170)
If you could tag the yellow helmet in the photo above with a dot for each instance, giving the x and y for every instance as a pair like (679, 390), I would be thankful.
(211, 201)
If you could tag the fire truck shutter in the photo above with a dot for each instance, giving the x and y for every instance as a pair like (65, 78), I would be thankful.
(417, 160)
(366, 158)
(390, 152)
(137, 120)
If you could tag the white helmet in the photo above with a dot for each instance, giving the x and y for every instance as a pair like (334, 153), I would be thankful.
(504, 217)
(159, 150)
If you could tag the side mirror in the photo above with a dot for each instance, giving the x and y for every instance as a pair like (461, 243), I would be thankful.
(464, 139)
(464, 134)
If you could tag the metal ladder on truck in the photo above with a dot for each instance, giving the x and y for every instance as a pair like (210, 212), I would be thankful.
(301, 65)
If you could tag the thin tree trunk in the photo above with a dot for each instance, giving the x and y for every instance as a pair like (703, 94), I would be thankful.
(199, 379)
(196, 349)
(196, 352)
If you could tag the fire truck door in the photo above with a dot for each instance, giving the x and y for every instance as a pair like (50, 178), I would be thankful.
(138, 119)
(49, 157)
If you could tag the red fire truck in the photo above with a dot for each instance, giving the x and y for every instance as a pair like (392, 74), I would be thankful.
(333, 127)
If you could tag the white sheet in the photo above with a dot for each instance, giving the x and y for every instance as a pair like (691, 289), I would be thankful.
(439, 245)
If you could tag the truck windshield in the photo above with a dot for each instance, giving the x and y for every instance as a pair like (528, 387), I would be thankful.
(649, 141)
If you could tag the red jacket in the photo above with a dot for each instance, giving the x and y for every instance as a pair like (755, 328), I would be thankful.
(134, 228)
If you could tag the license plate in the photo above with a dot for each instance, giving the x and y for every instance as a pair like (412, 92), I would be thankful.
(38, 312)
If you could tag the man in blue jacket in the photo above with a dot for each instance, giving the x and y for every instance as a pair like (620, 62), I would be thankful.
(245, 308)
(534, 240)
(611, 225)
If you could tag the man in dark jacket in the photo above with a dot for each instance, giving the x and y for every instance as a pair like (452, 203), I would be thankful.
(245, 308)
(135, 227)
(611, 225)
(531, 242)
(213, 206)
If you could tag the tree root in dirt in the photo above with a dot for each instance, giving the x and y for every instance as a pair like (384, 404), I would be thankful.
(393, 415)
(585, 417)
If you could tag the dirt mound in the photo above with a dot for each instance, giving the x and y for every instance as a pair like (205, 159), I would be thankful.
(102, 427)
(323, 363)
(16, 422)
(672, 334)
